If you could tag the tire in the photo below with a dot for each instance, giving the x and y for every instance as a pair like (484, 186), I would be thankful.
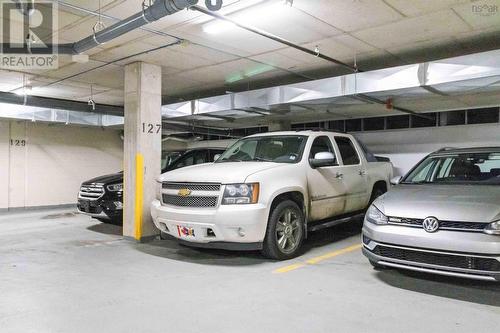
(377, 192)
(285, 231)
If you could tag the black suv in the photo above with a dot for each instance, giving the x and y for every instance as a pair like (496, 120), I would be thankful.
(102, 197)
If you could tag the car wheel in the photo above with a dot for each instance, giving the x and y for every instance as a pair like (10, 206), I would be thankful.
(285, 231)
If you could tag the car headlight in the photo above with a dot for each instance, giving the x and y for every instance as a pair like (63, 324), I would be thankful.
(493, 228)
(115, 187)
(375, 216)
(241, 194)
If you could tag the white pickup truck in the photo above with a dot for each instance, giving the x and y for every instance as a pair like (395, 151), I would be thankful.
(268, 190)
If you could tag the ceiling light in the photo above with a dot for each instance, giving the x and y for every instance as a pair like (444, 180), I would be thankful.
(249, 16)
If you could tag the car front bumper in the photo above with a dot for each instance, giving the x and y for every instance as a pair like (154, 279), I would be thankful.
(234, 227)
(453, 253)
(102, 209)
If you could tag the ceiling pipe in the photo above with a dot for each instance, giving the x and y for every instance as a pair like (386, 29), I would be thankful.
(157, 10)
(274, 37)
(111, 18)
(55, 103)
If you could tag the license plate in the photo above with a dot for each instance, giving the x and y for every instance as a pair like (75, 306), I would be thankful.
(185, 231)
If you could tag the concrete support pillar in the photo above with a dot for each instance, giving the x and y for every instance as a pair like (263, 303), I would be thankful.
(142, 148)
(282, 125)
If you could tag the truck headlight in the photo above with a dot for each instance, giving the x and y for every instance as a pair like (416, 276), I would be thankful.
(158, 190)
(241, 194)
(115, 187)
(493, 228)
(375, 216)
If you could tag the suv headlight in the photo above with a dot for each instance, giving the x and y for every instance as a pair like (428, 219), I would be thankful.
(493, 228)
(241, 194)
(375, 216)
(115, 187)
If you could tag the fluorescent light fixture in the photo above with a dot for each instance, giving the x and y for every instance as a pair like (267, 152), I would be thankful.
(262, 13)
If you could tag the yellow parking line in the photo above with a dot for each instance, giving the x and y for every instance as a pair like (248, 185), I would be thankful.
(318, 259)
(288, 268)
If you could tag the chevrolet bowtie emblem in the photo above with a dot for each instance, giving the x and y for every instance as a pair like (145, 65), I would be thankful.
(184, 192)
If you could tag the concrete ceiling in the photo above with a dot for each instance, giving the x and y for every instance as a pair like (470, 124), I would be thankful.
(377, 33)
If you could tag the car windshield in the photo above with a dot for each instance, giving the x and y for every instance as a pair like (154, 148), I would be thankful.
(278, 149)
(466, 168)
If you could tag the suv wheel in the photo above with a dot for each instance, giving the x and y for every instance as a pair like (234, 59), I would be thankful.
(285, 231)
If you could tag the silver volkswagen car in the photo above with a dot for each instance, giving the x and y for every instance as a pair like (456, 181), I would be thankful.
(443, 217)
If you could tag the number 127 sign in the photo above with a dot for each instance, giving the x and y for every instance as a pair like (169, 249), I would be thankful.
(149, 128)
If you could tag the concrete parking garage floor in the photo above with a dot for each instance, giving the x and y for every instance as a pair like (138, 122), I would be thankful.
(63, 272)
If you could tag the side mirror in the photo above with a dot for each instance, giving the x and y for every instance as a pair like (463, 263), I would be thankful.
(323, 159)
(396, 180)
(216, 157)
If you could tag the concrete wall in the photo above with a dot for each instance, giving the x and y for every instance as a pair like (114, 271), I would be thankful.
(49, 168)
(408, 146)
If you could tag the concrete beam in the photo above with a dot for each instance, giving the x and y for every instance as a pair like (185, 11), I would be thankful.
(142, 148)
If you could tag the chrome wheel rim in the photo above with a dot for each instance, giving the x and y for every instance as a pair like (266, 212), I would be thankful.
(288, 231)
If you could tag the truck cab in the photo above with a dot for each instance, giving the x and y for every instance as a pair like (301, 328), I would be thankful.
(267, 190)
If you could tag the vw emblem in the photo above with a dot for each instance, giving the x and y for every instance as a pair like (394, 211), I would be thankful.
(430, 224)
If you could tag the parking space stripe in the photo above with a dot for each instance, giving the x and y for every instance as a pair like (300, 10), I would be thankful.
(318, 259)
(289, 268)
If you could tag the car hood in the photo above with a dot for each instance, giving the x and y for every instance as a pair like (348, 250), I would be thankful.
(225, 172)
(106, 179)
(467, 203)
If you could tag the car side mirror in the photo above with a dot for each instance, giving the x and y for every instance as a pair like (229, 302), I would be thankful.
(323, 159)
(216, 157)
(396, 180)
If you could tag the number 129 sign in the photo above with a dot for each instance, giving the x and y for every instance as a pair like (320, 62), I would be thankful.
(151, 128)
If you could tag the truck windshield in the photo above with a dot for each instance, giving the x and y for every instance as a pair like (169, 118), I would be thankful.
(467, 168)
(278, 149)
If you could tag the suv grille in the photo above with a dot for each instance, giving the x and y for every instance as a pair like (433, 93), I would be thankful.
(439, 259)
(192, 186)
(191, 201)
(91, 192)
(444, 225)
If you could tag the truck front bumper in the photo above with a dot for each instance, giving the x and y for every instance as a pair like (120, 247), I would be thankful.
(233, 227)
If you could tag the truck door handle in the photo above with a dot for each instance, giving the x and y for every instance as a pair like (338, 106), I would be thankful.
(362, 172)
(339, 175)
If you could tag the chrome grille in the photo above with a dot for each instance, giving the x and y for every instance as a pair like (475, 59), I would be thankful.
(443, 225)
(192, 186)
(91, 191)
(191, 201)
